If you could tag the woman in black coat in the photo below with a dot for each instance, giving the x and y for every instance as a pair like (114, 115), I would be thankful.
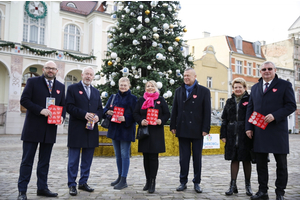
(238, 145)
(155, 142)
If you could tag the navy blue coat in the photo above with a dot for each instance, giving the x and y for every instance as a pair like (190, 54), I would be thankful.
(155, 142)
(191, 116)
(78, 104)
(124, 131)
(36, 128)
(278, 100)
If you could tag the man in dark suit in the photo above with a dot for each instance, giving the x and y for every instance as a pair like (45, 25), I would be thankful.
(84, 104)
(38, 94)
(190, 121)
(274, 98)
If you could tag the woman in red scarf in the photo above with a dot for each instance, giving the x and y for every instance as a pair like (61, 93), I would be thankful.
(154, 144)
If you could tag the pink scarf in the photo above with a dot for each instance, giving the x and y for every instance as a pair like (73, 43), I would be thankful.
(150, 97)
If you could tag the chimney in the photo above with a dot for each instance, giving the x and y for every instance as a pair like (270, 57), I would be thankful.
(205, 34)
(263, 43)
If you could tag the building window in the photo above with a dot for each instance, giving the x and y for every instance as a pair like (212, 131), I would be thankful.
(257, 70)
(238, 41)
(298, 72)
(71, 5)
(239, 67)
(0, 25)
(222, 103)
(24, 81)
(256, 46)
(209, 82)
(249, 69)
(72, 38)
(33, 30)
(69, 80)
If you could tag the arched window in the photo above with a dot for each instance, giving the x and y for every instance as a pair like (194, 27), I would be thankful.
(72, 38)
(33, 30)
(71, 5)
(69, 80)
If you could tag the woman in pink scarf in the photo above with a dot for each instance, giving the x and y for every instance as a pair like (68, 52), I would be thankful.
(154, 144)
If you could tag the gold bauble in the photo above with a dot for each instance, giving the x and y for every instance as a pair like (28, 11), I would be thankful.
(177, 39)
(184, 30)
(147, 12)
(109, 63)
(171, 26)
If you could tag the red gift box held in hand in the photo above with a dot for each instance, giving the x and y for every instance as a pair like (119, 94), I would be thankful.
(152, 116)
(258, 120)
(56, 114)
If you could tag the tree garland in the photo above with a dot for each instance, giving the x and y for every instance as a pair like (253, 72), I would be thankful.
(79, 58)
(44, 14)
(10, 44)
(37, 51)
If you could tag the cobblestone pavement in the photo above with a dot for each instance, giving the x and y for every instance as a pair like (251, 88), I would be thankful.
(215, 175)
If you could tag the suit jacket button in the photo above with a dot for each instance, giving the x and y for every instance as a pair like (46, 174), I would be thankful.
(190, 122)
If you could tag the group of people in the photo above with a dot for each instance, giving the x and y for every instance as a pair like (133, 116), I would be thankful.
(190, 121)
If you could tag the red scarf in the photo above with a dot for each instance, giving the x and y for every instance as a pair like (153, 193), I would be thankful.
(150, 97)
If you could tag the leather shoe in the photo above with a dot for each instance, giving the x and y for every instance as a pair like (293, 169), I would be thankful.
(72, 191)
(85, 187)
(197, 188)
(22, 196)
(260, 195)
(46, 193)
(181, 187)
(279, 197)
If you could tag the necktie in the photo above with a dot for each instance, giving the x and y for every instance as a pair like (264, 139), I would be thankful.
(267, 84)
(87, 89)
(50, 86)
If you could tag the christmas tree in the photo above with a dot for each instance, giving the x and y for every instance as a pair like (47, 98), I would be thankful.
(146, 44)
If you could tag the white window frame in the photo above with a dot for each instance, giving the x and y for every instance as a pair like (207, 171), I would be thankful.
(298, 73)
(75, 44)
(239, 67)
(209, 82)
(257, 70)
(222, 103)
(249, 68)
(32, 26)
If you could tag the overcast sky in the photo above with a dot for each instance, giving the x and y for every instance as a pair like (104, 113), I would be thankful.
(253, 20)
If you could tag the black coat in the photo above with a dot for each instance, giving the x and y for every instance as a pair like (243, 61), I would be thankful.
(238, 145)
(279, 100)
(36, 128)
(124, 131)
(78, 105)
(155, 143)
(191, 116)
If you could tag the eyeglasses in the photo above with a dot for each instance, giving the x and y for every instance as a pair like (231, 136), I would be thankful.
(49, 68)
(265, 69)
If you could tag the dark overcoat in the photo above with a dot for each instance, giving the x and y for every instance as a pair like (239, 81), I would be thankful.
(191, 116)
(238, 145)
(155, 143)
(124, 131)
(278, 100)
(36, 128)
(78, 104)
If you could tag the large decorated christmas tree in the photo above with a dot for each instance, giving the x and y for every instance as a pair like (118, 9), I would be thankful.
(146, 44)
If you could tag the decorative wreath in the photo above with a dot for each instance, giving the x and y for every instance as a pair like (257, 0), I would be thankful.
(36, 9)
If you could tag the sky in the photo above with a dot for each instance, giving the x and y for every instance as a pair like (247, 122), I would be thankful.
(253, 20)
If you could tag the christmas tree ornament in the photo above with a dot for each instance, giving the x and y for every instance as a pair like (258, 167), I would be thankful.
(164, 58)
(159, 85)
(144, 81)
(138, 87)
(177, 70)
(169, 8)
(191, 59)
(175, 15)
(118, 59)
(177, 39)
(135, 72)
(175, 44)
(182, 49)
(132, 14)
(159, 56)
(165, 95)
(166, 26)
(135, 42)
(170, 48)
(104, 94)
(178, 7)
(172, 81)
(147, 12)
(160, 74)
(178, 74)
(113, 55)
(141, 6)
(154, 29)
(155, 36)
(113, 16)
(171, 26)
(125, 70)
(127, 10)
(109, 35)
(101, 74)
(144, 37)
(160, 45)
(133, 67)
(115, 63)
(148, 67)
(163, 16)
(136, 77)
(183, 43)
(112, 83)
(170, 71)
(153, 3)
(185, 30)
(169, 93)
(111, 45)
(120, 3)
(131, 30)
(165, 5)
(139, 26)
(113, 75)
(147, 20)
(109, 63)
(154, 44)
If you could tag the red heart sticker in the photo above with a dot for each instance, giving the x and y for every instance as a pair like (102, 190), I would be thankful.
(80, 92)
(194, 96)
(274, 90)
(245, 103)
(158, 102)
(57, 91)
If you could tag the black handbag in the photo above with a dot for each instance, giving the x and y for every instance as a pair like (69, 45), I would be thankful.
(105, 122)
(142, 132)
